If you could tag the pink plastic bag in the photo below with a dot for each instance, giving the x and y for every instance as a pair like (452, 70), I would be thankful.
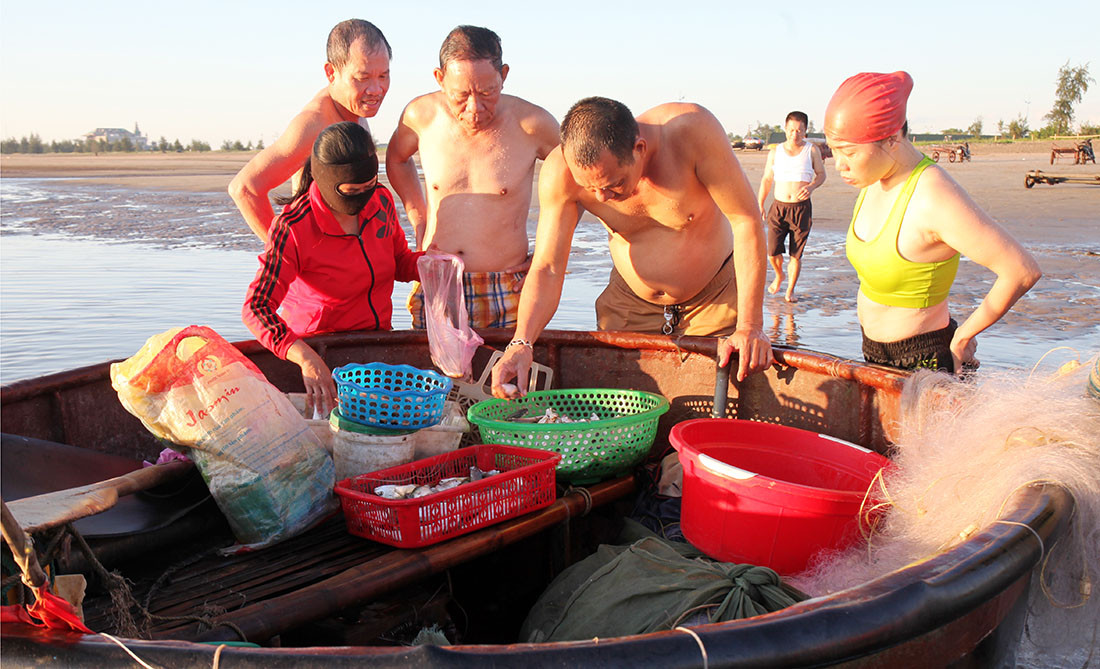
(450, 340)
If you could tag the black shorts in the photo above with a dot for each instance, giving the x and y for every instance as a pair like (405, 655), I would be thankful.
(928, 350)
(789, 218)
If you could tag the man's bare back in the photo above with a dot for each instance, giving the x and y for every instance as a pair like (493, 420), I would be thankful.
(478, 185)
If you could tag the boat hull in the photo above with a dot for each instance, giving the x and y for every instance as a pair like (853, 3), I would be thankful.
(963, 605)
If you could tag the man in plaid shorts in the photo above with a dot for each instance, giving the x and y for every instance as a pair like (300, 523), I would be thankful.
(478, 149)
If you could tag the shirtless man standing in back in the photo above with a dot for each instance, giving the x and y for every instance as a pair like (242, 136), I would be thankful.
(358, 72)
(683, 231)
(795, 169)
(478, 150)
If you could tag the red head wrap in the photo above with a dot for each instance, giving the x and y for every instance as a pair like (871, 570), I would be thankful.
(868, 107)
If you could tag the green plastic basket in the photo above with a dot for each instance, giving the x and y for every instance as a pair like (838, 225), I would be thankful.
(591, 451)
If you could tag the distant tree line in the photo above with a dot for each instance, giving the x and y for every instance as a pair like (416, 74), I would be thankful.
(236, 145)
(34, 144)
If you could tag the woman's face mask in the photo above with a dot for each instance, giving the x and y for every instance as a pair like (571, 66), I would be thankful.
(346, 187)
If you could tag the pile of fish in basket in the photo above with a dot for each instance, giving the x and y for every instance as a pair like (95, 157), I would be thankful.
(578, 435)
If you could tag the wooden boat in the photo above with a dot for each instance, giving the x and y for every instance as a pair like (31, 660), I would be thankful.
(964, 606)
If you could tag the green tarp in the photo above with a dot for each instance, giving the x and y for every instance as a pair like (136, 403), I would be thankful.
(650, 585)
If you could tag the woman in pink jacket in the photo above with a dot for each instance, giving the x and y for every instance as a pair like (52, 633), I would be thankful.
(331, 259)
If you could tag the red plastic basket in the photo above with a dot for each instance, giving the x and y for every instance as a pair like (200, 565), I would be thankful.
(525, 483)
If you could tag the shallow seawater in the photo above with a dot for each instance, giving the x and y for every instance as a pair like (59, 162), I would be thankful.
(88, 273)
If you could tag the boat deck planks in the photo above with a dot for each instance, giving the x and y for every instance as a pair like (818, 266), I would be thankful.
(320, 560)
(231, 582)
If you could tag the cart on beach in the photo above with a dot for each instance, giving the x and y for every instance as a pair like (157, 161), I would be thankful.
(954, 152)
(1040, 177)
(1081, 151)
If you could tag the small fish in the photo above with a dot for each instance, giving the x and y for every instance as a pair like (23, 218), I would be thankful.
(453, 482)
(422, 491)
(394, 491)
(387, 491)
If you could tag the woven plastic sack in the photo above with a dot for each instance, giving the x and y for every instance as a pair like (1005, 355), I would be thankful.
(451, 341)
(650, 585)
(264, 466)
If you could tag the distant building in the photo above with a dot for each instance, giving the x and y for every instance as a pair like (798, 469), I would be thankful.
(112, 135)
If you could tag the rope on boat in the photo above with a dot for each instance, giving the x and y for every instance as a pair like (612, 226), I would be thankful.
(218, 655)
(584, 493)
(47, 557)
(680, 353)
(123, 599)
(1029, 528)
(702, 648)
(10, 581)
(1044, 557)
(128, 651)
(170, 571)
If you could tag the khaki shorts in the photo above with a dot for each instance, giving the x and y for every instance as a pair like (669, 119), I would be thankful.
(713, 311)
(492, 299)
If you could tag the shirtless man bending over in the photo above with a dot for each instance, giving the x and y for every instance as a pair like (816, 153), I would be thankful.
(795, 170)
(684, 232)
(478, 149)
(358, 71)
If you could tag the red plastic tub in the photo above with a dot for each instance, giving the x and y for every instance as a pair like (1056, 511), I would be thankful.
(770, 495)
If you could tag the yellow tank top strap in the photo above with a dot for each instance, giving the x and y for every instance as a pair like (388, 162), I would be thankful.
(902, 202)
(897, 212)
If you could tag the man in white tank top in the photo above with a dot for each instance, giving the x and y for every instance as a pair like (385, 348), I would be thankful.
(794, 170)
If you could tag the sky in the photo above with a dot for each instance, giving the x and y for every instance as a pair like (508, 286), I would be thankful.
(231, 70)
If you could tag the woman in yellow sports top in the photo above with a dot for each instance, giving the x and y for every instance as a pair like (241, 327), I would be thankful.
(909, 226)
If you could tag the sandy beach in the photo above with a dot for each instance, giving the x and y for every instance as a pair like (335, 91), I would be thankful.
(994, 178)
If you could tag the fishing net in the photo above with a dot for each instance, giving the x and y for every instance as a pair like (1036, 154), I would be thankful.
(963, 450)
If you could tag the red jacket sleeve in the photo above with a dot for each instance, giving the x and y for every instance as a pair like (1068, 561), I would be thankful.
(278, 268)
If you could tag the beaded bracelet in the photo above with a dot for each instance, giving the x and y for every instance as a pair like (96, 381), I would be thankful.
(519, 342)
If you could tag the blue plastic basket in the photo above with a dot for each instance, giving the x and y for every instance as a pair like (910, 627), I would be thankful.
(398, 397)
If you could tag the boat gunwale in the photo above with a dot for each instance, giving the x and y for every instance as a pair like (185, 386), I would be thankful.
(877, 376)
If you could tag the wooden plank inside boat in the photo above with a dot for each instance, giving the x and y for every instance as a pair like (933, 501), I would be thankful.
(314, 575)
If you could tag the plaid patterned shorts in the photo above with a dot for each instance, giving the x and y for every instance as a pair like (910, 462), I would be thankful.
(492, 299)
